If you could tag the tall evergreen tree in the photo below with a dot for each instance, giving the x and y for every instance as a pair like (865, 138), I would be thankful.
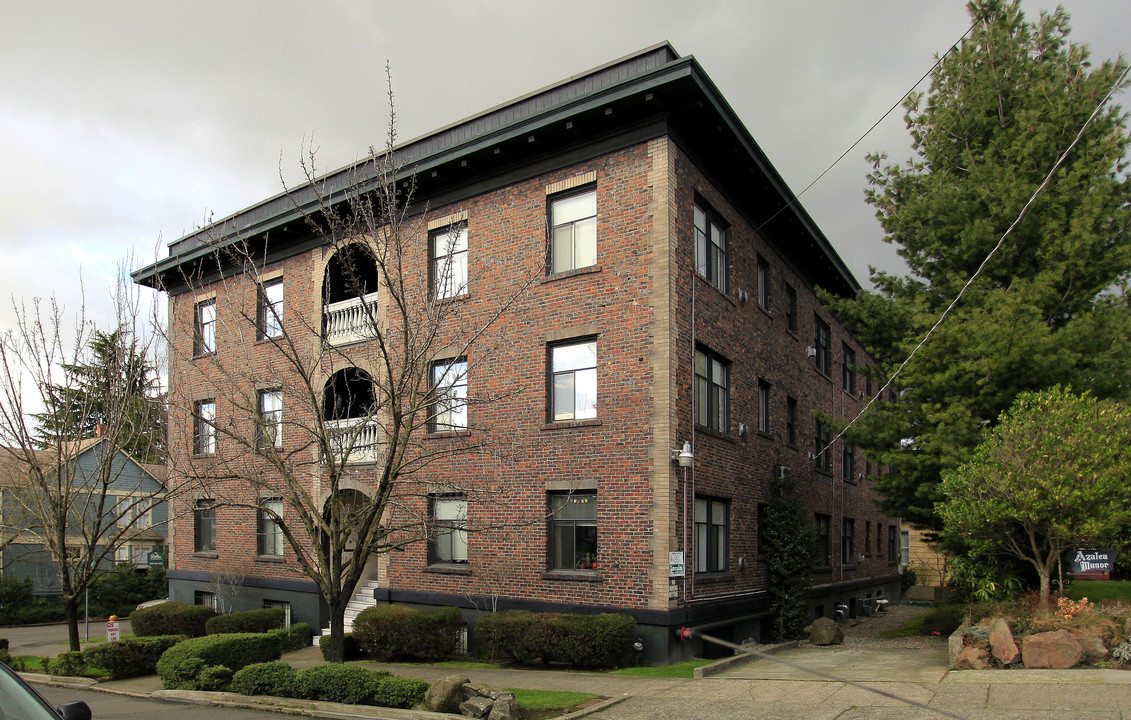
(114, 375)
(1052, 304)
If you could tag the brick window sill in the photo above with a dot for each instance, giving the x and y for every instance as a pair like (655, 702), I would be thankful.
(277, 559)
(572, 575)
(448, 569)
(441, 434)
(564, 274)
(567, 424)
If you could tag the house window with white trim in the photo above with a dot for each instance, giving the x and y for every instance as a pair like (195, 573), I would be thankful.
(573, 231)
(269, 309)
(573, 531)
(204, 328)
(268, 532)
(448, 542)
(449, 262)
(573, 381)
(449, 386)
(712, 522)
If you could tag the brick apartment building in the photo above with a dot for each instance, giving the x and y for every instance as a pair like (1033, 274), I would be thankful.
(676, 306)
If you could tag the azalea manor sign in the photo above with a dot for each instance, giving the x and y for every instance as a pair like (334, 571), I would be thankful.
(1094, 563)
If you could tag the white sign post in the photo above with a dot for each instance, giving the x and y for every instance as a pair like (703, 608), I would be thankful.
(113, 632)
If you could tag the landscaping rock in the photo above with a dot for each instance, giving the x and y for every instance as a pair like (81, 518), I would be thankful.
(445, 695)
(825, 631)
(1002, 644)
(1055, 649)
(505, 708)
(476, 707)
(972, 657)
(1094, 648)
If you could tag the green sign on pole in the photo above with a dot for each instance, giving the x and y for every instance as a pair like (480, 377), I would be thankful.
(156, 559)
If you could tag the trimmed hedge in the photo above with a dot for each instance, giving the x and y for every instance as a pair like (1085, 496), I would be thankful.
(271, 678)
(350, 684)
(172, 618)
(587, 641)
(394, 632)
(296, 637)
(129, 658)
(351, 651)
(181, 666)
(247, 621)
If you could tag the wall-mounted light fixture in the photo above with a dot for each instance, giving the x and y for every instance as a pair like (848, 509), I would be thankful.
(684, 458)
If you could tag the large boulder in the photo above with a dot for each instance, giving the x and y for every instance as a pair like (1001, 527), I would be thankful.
(1094, 648)
(825, 631)
(1055, 649)
(972, 657)
(445, 695)
(1002, 644)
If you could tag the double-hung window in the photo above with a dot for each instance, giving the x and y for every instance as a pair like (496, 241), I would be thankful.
(710, 247)
(270, 418)
(269, 310)
(573, 231)
(763, 283)
(269, 535)
(448, 542)
(822, 453)
(204, 328)
(712, 391)
(893, 548)
(711, 525)
(204, 526)
(449, 262)
(848, 369)
(573, 531)
(204, 427)
(573, 381)
(449, 386)
(847, 541)
(791, 421)
(867, 538)
(848, 463)
(824, 540)
(790, 308)
(763, 406)
(823, 344)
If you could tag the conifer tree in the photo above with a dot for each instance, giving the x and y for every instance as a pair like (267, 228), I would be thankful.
(1051, 306)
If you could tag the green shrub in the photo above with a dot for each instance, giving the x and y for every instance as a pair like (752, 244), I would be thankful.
(582, 640)
(214, 677)
(272, 678)
(518, 636)
(350, 684)
(121, 590)
(15, 593)
(596, 640)
(296, 637)
(433, 634)
(253, 621)
(178, 668)
(352, 651)
(68, 663)
(130, 658)
(943, 619)
(171, 618)
(398, 692)
(384, 632)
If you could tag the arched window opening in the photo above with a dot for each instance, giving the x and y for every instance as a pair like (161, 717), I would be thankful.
(348, 404)
(349, 295)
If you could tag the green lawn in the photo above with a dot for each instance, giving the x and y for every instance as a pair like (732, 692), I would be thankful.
(536, 704)
(1100, 590)
(675, 670)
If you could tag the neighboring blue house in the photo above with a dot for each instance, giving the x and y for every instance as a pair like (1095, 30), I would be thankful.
(134, 512)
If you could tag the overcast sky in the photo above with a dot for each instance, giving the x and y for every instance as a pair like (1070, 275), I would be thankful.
(124, 123)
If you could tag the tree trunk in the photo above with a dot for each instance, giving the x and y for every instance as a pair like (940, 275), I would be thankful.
(1045, 587)
(71, 611)
(336, 652)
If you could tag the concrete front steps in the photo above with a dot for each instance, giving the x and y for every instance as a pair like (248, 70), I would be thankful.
(361, 600)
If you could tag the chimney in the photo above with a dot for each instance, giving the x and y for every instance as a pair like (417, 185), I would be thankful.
(99, 430)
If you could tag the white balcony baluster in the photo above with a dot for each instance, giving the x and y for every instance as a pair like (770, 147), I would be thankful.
(366, 444)
(347, 321)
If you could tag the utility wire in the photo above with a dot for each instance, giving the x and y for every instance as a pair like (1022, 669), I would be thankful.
(797, 198)
(1021, 216)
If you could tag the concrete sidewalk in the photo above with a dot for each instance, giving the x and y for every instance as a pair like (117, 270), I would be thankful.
(769, 689)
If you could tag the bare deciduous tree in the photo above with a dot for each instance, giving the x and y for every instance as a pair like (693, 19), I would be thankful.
(312, 418)
(69, 497)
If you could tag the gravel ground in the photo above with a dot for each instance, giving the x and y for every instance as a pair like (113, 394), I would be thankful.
(866, 631)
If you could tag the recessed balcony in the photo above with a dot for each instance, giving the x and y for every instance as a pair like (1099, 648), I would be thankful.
(349, 321)
(357, 436)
